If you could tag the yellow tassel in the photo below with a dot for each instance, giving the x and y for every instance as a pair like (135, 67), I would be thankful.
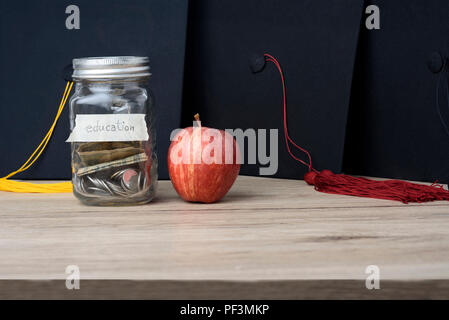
(19, 186)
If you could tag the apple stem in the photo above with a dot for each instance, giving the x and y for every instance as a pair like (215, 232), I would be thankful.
(197, 119)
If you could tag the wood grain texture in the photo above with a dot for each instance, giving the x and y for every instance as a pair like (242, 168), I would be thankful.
(263, 230)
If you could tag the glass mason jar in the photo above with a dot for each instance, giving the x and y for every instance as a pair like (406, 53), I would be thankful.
(113, 143)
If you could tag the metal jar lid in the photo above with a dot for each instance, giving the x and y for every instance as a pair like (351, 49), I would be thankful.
(110, 67)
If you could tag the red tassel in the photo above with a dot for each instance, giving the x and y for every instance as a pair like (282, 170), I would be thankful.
(329, 182)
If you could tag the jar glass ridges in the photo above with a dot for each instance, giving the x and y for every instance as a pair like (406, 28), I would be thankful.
(113, 141)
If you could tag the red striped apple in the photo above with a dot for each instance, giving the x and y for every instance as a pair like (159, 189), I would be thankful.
(203, 163)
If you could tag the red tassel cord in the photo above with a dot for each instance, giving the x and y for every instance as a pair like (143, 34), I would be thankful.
(329, 182)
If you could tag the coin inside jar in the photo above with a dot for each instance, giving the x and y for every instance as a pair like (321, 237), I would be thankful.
(130, 179)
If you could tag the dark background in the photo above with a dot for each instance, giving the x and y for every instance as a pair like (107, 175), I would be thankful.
(361, 101)
(393, 126)
(35, 46)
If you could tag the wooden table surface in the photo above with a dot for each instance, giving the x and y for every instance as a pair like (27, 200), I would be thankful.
(268, 238)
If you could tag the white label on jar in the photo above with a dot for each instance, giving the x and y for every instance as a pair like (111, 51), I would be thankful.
(109, 127)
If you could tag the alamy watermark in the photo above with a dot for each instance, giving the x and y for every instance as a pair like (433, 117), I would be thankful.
(218, 147)
(373, 279)
(73, 20)
(372, 22)
(72, 281)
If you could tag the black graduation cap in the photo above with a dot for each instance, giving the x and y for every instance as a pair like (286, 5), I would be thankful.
(227, 82)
